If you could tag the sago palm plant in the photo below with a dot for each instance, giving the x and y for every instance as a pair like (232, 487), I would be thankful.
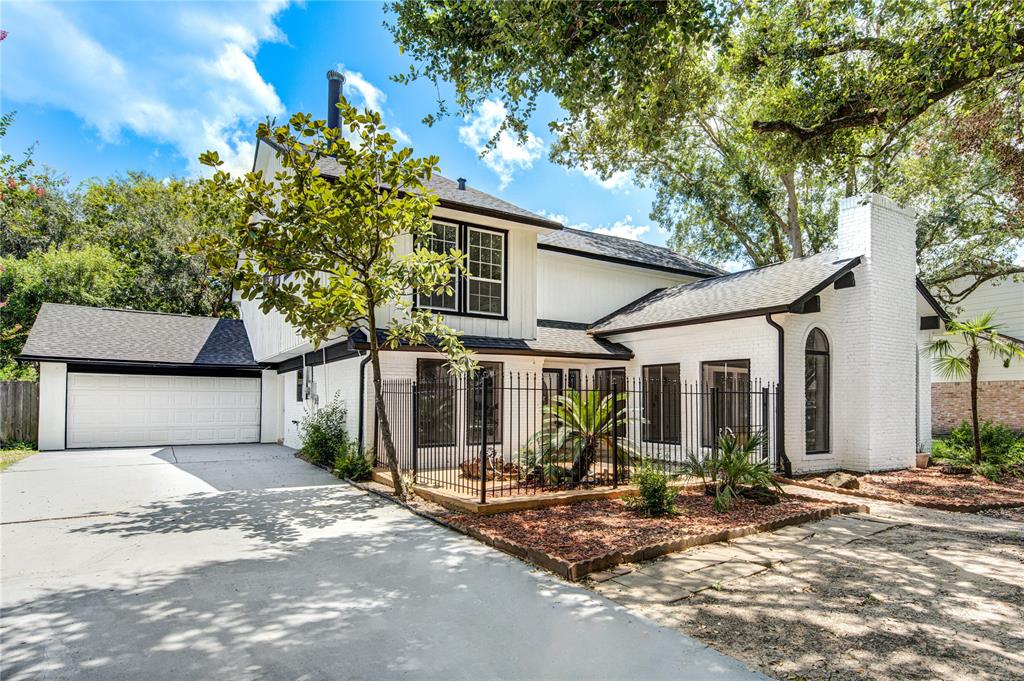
(576, 427)
(734, 466)
(963, 358)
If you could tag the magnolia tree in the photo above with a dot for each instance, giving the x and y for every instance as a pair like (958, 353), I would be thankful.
(324, 252)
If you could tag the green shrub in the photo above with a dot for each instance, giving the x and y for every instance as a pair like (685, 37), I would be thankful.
(19, 446)
(352, 465)
(732, 468)
(1002, 450)
(654, 496)
(324, 435)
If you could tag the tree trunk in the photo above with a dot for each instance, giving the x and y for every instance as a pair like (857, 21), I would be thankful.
(382, 414)
(974, 361)
(796, 241)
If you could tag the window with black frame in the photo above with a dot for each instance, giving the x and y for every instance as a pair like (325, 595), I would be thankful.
(662, 404)
(725, 400)
(481, 289)
(574, 379)
(487, 380)
(605, 380)
(552, 384)
(816, 392)
(435, 404)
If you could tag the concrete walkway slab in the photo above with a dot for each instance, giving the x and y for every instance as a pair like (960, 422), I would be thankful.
(287, 582)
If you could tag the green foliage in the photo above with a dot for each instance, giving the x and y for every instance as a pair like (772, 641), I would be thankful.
(323, 252)
(20, 446)
(962, 358)
(88, 276)
(1002, 450)
(750, 120)
(734, 466)
(654, 496)
(324, 434)
(351, 464)
(576, 427)
(115, 243)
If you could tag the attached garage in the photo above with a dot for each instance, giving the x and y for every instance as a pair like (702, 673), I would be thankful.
(122, 410)
(122, 378)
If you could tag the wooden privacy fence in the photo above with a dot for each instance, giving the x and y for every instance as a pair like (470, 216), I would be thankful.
(19, 411)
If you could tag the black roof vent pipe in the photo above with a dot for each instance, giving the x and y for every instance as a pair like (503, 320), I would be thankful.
(462, 183)
(334, 83)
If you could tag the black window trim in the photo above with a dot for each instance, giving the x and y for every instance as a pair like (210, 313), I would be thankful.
(499, 426)
(643, 401)
(570, 373)
(461, 281)
(705, 389)
(455, 409)
(300, 384)
(828, 393)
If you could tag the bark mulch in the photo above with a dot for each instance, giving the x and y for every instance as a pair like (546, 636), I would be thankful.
(926, 486)
(588, 529)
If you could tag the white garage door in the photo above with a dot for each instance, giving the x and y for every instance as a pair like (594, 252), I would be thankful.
(121, 410)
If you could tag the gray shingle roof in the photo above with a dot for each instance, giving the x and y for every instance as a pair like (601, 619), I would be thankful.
(627, 251)
(450, 196)
(767, 289)
(554, 339)
(73, 332)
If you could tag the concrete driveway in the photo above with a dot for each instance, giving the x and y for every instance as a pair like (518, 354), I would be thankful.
(244, 562)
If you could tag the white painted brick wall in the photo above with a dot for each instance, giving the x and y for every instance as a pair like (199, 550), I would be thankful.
(879, 326)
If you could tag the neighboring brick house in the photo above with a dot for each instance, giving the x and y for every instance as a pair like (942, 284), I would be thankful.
(1000, 389)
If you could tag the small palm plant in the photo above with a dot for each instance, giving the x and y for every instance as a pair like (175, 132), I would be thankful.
(576, 427)
(734, 466)
(961, 360)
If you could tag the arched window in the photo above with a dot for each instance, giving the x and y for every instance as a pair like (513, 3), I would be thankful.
(817, 387)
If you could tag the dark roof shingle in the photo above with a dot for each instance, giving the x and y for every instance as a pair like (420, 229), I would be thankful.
(73, 332)
(450, 196)
(774, 287)
(626, 251)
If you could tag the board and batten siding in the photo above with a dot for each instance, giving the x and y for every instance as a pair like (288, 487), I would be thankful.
(578, 289)
(1005, 300)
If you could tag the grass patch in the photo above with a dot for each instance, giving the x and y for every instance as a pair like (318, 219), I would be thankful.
(15, 452)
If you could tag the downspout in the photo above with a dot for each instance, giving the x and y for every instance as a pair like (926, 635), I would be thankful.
(780, 403)
(362, 401)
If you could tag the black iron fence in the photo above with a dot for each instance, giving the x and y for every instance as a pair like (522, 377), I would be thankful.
(503, 434)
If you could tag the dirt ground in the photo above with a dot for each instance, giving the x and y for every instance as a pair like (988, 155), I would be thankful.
(589, 529)
(932, 486)
(939, 598)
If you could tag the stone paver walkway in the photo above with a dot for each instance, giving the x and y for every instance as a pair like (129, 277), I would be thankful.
(681, 575)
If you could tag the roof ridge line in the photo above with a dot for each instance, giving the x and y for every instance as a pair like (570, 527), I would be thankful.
(126, 309)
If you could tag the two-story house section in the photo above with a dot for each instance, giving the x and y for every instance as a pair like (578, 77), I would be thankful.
(820, 355)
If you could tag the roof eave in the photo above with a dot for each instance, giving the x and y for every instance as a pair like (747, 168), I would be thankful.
(363, 345)
(134, 363)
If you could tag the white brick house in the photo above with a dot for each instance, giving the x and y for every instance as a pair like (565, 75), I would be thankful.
(838, 332)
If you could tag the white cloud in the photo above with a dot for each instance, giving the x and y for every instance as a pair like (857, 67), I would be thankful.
(508, 155)
(362, 93)
(624, 228)
(620, 179)
(178, 74)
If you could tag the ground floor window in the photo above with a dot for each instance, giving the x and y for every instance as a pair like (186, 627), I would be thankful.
(661, 399)
(552, 384)
(487, 380)
(816, 392)
(726, 399)
(607, 379)
(435, 404)
(575, 379)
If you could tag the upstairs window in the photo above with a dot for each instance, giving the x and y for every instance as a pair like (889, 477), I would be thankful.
(482, 290)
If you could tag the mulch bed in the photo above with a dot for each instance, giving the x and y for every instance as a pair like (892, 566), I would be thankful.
(931, 487)
(591, 529)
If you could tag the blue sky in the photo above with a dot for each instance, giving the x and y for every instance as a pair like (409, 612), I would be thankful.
(110, 87)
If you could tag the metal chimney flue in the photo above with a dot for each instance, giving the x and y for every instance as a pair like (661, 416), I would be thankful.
(334, 83)
(462, 183)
